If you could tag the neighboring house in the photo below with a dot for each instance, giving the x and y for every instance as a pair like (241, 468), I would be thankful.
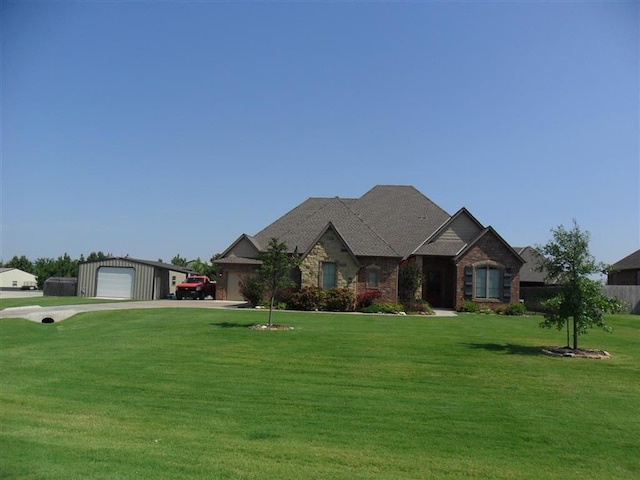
(626, 271)
(15, 279)
(360, 243)
(530, 273)
(534, 285)
(124, 277)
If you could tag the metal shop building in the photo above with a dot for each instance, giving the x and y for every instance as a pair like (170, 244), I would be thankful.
(126, 277)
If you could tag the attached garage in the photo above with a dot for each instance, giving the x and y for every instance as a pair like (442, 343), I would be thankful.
(128, 278)
(115, 282)
(234, 270)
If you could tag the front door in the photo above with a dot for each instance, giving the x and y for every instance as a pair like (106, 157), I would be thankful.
(433, 288)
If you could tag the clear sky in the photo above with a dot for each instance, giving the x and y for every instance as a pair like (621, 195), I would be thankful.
(162, 128)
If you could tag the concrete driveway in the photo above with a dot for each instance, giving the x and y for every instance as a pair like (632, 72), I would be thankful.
(55, 314)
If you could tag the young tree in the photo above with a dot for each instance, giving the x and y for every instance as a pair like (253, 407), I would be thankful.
(275, 271)
(567, 261)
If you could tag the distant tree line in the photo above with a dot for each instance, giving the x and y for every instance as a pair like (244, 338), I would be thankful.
(65, 266)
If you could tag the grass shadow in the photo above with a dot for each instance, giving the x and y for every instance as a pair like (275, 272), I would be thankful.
(509, 348)
(231, 325)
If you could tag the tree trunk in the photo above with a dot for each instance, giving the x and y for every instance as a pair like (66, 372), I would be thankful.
(270, 309)
(575, 333)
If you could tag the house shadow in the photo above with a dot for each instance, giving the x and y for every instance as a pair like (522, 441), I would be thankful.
(509, 348)
(231, 325)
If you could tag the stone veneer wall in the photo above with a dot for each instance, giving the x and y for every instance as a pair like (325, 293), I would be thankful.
(329, 249)
(491, 252)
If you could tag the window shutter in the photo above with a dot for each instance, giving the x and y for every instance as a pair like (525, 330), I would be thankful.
(506, 291)
(468, 283)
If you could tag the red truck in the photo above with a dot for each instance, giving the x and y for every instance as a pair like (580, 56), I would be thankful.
(196, 287)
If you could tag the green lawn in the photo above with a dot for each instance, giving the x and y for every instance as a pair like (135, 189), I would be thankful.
(194, 394)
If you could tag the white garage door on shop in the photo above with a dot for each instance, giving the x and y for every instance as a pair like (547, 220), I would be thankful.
(115, 282)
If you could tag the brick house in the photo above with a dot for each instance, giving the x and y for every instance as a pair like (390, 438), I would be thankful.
(626, 271)
(360, 243)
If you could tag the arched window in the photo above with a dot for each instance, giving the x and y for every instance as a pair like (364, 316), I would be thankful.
(373, 276)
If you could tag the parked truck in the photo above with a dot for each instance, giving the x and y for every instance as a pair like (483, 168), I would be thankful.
(196, 287)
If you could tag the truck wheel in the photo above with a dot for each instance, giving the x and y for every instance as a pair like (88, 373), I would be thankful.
(201, 296)
(178, 296)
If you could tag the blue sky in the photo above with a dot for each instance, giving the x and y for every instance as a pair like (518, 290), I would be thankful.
(153, 129)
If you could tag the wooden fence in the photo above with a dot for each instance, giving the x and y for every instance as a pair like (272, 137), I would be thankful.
(629, 295)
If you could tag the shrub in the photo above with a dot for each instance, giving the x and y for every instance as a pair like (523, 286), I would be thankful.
(340, 300)
(409, 280)
(252, 290)
(516, 309)
(417, 305)
(470, 307)
(386, 307)
(366, 298)
(306, 299)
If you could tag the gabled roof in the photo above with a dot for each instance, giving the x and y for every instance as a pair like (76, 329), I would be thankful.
(451, 237)
(387, 221)
(630, 262)
(487, 231)
(329, 227)
(241, 238)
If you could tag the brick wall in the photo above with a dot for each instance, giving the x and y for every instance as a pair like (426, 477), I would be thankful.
(489, 251)
(387, 278)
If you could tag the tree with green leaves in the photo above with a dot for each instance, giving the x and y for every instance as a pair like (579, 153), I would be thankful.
(179, 261)
(21, 263)
(275, 270)
(63, 266)
(567, 261)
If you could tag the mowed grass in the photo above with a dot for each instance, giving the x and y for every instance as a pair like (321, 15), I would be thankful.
(195, 394)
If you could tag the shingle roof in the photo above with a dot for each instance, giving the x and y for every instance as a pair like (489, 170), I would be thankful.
(300, 227)
(630, 262)
(400, 214)
(529, 271)
(388, 220)
(238, 260)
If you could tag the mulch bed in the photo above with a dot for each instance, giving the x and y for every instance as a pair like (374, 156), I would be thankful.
(579, 353)
(270, 327)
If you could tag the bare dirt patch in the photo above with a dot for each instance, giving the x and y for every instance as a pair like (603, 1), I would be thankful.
(578, 353)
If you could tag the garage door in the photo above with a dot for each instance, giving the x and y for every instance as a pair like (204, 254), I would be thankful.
(115, 282)
(233, 286)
